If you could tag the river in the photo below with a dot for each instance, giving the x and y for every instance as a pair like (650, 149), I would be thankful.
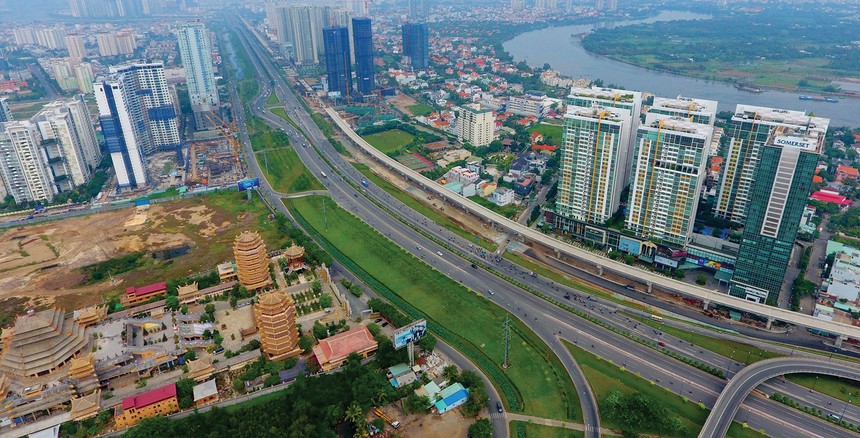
(555, 46)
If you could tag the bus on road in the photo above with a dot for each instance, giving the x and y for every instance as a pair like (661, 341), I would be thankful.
(657, 318)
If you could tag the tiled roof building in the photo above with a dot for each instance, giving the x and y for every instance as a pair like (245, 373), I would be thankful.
(252, 261)
(41, 342)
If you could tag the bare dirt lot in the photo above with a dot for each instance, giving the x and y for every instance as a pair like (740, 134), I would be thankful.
(40, 265)
(430, 425)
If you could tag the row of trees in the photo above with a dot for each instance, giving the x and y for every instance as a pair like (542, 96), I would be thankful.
(309, 407)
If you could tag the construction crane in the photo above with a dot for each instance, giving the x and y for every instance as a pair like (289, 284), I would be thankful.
(367, 7)
(229, 133)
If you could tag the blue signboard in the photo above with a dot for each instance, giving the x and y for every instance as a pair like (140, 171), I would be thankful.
(409, 334)
(248, 184)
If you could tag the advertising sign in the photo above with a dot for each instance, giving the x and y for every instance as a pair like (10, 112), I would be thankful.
(248, 184)
(410, 333)
(794, 142)
(666, 262)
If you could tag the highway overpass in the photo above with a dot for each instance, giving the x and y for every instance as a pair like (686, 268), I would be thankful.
(739, 387)
(603, 264)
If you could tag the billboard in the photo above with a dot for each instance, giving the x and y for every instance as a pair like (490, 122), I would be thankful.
(410, 333)
(248, 184)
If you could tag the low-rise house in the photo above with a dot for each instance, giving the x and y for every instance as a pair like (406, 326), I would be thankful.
(502, 196)
(205, 393)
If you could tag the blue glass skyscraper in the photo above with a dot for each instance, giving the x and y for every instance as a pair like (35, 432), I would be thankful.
(362, 39)
(416, 44)
(338, 64)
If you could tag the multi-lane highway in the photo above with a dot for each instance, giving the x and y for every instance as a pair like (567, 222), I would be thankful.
(749, 378)
(399, 223)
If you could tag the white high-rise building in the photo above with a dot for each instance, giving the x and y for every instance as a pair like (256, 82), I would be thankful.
(595, 149)
(475, 125)
(300, 29)
(85, 77)
(138, 116)
(194, 47)
(121, 120)
(24, 36)
(156, 103)
(69, 141)
(76, 47)
(23, 164)
(113, 44)
(5, 113)
(52, 38)
(669, 167)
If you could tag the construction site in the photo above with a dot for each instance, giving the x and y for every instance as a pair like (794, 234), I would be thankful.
(214, 161)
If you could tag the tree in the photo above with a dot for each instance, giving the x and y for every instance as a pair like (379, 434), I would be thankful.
(374, 328)
(191, 355)
(306, 343)
(701, 279)
(325, 301)
(478, 399)
(320, 331)
(172, 302)
(184, 309)
(185, 393)
(210, 309)
(470, 379)
(483, 428)
(415, 404)
(451, 373)
(316, 286)
(427, 343)
(355, 414)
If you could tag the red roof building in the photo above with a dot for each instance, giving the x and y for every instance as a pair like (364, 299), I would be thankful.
(332, 352)
(136, 295)
(545, 148)
(843, 172)
(160, 401)
(830, 197)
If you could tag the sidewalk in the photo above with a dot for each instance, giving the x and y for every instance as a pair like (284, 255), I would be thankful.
(557, 423)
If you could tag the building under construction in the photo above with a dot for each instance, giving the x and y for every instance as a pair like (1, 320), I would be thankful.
(211, 162)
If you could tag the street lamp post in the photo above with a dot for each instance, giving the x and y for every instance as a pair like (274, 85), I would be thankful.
(844, 408)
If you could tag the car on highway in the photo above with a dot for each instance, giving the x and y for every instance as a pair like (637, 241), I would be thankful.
(439, 253)
(499, 407)
(630, 287)
(661, 343)
(474, 266)
(491, 292)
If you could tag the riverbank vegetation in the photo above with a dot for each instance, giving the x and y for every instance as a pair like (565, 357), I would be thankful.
(777, 47)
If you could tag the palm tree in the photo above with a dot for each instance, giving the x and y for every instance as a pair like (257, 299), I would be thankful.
(355, 414)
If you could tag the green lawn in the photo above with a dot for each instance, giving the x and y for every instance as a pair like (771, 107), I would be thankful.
(510, 211)
(522, 429)
(605, 377)
(420, 109)
(538, 379)
(282, 113)
(273, 99)
(551, 133)
(286, 172)
(422, 208)
(389, 141)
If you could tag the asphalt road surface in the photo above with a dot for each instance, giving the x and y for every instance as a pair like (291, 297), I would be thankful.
(547, 320)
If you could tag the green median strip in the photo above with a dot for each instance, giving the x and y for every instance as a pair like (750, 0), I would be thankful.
(273, 99)
(609, 381)
(282, 113)
(568, 281)
(535, 383)
(426, 211)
